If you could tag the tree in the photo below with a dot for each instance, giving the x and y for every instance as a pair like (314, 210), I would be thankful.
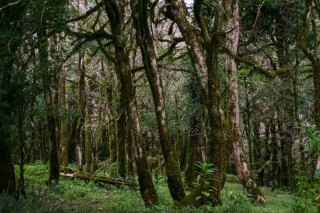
(311, 12)
(204, 54)
(11, 91)
(233, 112)
(115, 12)
(145, 41)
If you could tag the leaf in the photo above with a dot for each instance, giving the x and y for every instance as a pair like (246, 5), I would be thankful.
(211, 171)
(207, 194)
(307, 150)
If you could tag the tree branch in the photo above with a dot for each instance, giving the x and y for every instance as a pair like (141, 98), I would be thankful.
(10, 4)
(87, 14)
(267, 72)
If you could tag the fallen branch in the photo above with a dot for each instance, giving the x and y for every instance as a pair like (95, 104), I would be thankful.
(99, 179)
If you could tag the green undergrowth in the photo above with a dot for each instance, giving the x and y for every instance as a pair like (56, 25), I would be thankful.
(80, 196)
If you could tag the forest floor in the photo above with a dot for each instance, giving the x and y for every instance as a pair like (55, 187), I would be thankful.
(80, 196)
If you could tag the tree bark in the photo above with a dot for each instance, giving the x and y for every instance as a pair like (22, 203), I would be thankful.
(115, 12)
(63, 121)
(145, 42)
(88, 129)
(80, 133)
(233, 103)
(7, 177)
(49, 102)
(312, 56)
(121, 136)
(205, 62)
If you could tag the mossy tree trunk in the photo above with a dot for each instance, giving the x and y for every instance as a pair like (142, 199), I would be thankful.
(121, 136)
(311, 53)
(216, 134)
(130, 152)
(288, 118)
(80, 133)
(115, 11)
(111, 119)
(310, 48)
(274, 150)
(63, 121)
(99, 149)
(54, 171)
(257, 148)
(204, 53)
(192, 170)
(195, 137)
(145, 42)
(247, 122)
(88, 129)
(233, 111)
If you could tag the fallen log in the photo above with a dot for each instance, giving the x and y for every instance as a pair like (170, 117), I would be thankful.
(100, 179)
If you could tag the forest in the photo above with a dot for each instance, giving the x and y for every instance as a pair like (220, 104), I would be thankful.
(160, 106)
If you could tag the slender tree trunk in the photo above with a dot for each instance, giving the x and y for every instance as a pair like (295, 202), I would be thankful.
(99, 144)
(63, 122)
(88, 129)
(247, 123)
(257, 162)
(145, 42)
(130, 152)
(316, 83)
(195, 144)
(112, 123)
(266, 171)
(81, 113)
(205, 62)
(7, 178)
(274, 151)
(121, 137)
(233, 104)
(287, 94)
(192, 170)
(115, 14)
(216, 135)
(54, 171)
(21, 187)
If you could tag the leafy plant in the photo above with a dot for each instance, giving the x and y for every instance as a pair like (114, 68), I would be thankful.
(206, 177)
(301, 205)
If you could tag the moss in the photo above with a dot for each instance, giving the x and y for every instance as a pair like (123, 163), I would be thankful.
(121, 139)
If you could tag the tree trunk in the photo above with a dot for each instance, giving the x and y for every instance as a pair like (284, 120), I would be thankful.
(88, 129)
(48, 99)
(121, 137)
(205, 62)
(116, 16)
(274, 151)
(257, 162)
(316, 84)
(80, 133)
(63, 121)
(145, 41)
(112, 123)
(233, 104)
(192, 170)
(247, 122)
(195, 144)
(7, 177)
(130, 152)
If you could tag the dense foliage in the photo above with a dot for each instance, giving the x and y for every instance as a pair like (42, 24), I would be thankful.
(167, 95)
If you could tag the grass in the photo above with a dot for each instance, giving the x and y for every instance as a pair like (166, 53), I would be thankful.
(79, 196)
